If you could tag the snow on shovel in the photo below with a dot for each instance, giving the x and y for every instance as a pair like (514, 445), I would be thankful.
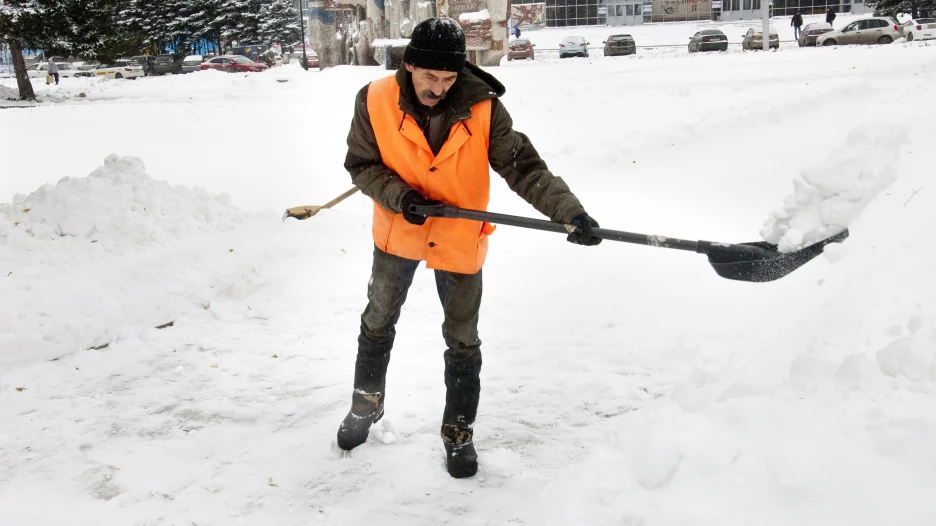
(756, 262)
(305, 212)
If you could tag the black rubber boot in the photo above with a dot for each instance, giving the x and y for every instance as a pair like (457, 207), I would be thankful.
(366, 409)
(461, 460)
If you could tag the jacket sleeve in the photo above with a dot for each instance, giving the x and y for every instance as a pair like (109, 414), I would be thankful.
(364, 163)
(513, 156)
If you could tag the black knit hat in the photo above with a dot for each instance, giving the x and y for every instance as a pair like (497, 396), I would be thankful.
(437, 43)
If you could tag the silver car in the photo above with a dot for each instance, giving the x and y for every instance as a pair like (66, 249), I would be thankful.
(754, 39)
(877, 30)
(191, 63)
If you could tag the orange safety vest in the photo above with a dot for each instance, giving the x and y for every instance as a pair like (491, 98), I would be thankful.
(458, 176)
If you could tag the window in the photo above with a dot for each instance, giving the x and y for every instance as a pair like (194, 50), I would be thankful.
(757, 5)
(630, 10)
(735, 5)
(747, 5)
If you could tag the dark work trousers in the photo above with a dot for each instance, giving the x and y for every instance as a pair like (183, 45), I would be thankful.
(460, 295)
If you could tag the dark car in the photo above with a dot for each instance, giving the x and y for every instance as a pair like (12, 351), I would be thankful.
(163, 64)
(810, 32)
(233, 64)
(520, 48)
(619, 45)
(146, 62)
(708, 40)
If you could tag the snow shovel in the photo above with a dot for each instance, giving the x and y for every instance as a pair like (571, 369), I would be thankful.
(757, 261)
(305, 212)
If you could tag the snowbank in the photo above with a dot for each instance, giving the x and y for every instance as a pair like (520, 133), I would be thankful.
(78, 259)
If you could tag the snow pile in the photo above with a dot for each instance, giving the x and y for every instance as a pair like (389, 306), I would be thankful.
(831, 195)
(117, 205)
(91, 260)
(8, 93)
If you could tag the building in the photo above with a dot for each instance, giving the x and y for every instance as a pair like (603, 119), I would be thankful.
(345, 31)
(567, 13)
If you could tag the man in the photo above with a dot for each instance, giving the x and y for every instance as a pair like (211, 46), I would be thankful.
(421, 137)
(53, 71)
(830, 16)
(797, 22)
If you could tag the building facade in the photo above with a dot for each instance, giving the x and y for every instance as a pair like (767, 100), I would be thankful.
(569, 13)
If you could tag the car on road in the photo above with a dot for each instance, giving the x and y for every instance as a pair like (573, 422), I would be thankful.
(191, 63)
(811, 32)
(233, 64)
(66, 69)
(919, 29)
(573, 47)
(520, 48)
(121, 69)
(708, 40)
(877, 30)
(754, 39)
(619, 45)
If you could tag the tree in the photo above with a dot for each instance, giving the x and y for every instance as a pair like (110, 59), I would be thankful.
(59, 27)
(916, 8)
(279, 22)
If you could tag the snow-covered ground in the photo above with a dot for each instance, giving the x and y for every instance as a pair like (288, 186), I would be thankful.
(621, 385)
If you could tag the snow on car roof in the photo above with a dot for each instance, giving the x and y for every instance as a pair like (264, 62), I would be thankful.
(193, 57)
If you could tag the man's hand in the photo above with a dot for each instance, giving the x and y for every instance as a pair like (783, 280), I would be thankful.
(584, 236)
(415, 198)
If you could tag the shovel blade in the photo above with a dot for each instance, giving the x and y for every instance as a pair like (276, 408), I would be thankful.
(759, 261)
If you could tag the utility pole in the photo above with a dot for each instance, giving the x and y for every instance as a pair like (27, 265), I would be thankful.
(765, 13)
(302, 30)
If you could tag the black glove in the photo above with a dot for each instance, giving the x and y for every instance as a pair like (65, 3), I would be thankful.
(415, 198)
(584, 236)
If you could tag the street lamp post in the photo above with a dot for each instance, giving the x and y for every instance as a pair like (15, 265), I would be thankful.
(302, 30)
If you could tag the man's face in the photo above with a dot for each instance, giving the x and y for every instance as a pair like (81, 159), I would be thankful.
(431, 85)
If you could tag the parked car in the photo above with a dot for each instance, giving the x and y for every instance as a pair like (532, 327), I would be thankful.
(573, 47)
(877, 30)
(191, 63)
(120, 69)
(166, 64)
(233, 64)
(919, 29)
(146, 62)
(754, 39)
(708, 40)
(619, 45)
(810, 32)
(40, 70)
(520, 48)
(312, 58)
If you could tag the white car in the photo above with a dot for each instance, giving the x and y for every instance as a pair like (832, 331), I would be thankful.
(919, 29)
(573, 47)
(122, 69)
(39, 71)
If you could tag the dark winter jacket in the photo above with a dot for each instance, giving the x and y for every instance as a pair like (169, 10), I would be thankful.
(510, 152)
(797, 20)
(830, 16)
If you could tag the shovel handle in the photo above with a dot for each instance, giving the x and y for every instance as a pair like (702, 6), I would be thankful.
(453, 212)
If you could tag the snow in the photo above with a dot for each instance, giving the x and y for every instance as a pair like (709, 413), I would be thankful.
(475, 16)
(830, 196)
(622, 384)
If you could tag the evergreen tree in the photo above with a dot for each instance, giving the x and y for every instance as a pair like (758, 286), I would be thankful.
(915, 8)
(279, 22)
(85, 28)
